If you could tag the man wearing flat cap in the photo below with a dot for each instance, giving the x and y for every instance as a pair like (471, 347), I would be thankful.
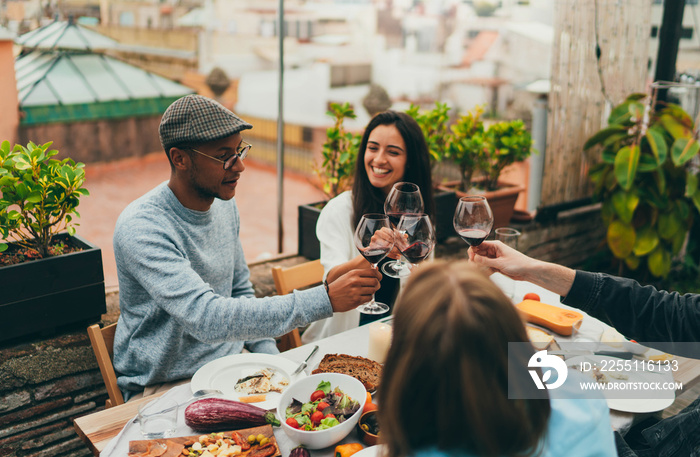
(184, 286)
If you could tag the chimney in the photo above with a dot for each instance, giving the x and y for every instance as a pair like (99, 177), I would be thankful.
(9, 121)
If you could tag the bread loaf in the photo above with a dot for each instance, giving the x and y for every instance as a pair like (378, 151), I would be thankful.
(367, 371)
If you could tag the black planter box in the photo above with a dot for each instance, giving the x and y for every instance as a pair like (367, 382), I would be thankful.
(445, 205)
(309, 246)
(45, 295)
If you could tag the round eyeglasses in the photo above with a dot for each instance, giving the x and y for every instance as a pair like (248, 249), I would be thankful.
(241, 153)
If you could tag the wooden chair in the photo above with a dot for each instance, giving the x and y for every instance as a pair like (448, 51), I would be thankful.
(102, 341)
(296, 277)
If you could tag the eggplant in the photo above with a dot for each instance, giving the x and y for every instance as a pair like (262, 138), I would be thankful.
(218, 414)
(300, 451)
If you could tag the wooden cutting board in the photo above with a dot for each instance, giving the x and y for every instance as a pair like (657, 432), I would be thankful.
(172, 447)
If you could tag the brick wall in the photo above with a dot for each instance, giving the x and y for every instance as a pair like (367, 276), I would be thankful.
(46, 383)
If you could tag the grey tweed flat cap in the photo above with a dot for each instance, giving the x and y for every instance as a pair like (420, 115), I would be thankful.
(194, 119)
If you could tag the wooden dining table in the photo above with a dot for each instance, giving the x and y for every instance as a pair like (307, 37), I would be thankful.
(98, 429)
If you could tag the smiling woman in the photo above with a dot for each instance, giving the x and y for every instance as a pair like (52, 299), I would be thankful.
(392, 149)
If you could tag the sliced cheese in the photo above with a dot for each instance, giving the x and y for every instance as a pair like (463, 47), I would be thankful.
(656, 355)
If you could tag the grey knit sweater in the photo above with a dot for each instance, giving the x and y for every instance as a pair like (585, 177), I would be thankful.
(185, 293)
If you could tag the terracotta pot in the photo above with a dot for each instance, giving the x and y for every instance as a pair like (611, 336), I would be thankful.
(501, 200)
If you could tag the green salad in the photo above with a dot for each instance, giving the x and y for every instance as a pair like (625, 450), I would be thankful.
(325, 408)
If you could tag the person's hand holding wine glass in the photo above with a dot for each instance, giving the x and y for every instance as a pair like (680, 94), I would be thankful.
(473, 219)
(416, 239)
(404, 197)
(374, 239)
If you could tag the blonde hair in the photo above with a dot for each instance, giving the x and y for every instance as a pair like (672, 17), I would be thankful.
(445, 380)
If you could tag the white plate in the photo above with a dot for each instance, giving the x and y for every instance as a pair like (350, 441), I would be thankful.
(631, 405)
(371, 451)
(223, 374)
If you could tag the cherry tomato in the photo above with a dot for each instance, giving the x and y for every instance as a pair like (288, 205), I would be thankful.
(292, 422)
(531, 296)
(316, 417)
(329, 415)
(317, 395)
(321, 406)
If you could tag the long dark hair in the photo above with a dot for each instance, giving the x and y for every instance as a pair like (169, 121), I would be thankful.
(448, 364)
(369, 199)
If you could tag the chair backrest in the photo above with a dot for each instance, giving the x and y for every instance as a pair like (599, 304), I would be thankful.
(296, 277)
(102, 340)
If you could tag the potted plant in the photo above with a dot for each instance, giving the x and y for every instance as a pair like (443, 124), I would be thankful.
(649, 194)
(339, 154)
(481, 154)
(49, 279)
(435, 126)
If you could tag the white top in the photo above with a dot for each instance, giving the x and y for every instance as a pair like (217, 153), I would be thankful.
(334, 231)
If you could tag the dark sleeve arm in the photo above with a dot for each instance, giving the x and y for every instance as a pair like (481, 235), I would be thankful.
(642, 313)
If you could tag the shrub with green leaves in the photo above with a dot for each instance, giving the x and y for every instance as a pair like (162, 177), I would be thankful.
(467, 145)
(339, 152)
(39, 195)
(507, 142)
(434, 125)
(480, 151)
(648, 192)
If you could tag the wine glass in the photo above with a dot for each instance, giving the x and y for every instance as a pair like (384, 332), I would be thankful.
(404, 197)
(374, 239)
(417, 237)
(473, 219)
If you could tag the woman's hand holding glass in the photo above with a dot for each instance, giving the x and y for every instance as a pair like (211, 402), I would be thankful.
(415, 237)
(404, 198)
(374, 239)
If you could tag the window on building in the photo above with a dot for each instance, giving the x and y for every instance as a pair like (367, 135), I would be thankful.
(307, 134)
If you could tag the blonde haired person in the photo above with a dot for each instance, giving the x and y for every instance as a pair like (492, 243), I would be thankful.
(444, 391)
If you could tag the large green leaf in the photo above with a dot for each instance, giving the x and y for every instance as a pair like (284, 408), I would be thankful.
(607, 211)
(621, 239)
(683, 150)
(647, 240)
(632, 262)
(603, 135)
(657, 144)
(647, 163)
(696, 199)
(691, 184)
(625, 203)
(659, 262)
(680, 114)
(621, 114)
(677, 241)
(635, 96)
(669, 224)
(674, 127)
(626, 163)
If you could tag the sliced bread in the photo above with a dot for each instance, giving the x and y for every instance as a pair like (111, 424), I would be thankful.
(367, 371)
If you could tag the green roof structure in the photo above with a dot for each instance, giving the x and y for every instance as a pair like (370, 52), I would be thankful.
(65, 35)
(61, 79)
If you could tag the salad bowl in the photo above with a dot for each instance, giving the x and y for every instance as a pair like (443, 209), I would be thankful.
(302, 389)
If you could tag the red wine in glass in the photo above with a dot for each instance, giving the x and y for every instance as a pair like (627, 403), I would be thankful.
(473, 237)
(416, 238)
(403, 198)
(374, 255)
(374, 238)
(417, 252)
(473, 219)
